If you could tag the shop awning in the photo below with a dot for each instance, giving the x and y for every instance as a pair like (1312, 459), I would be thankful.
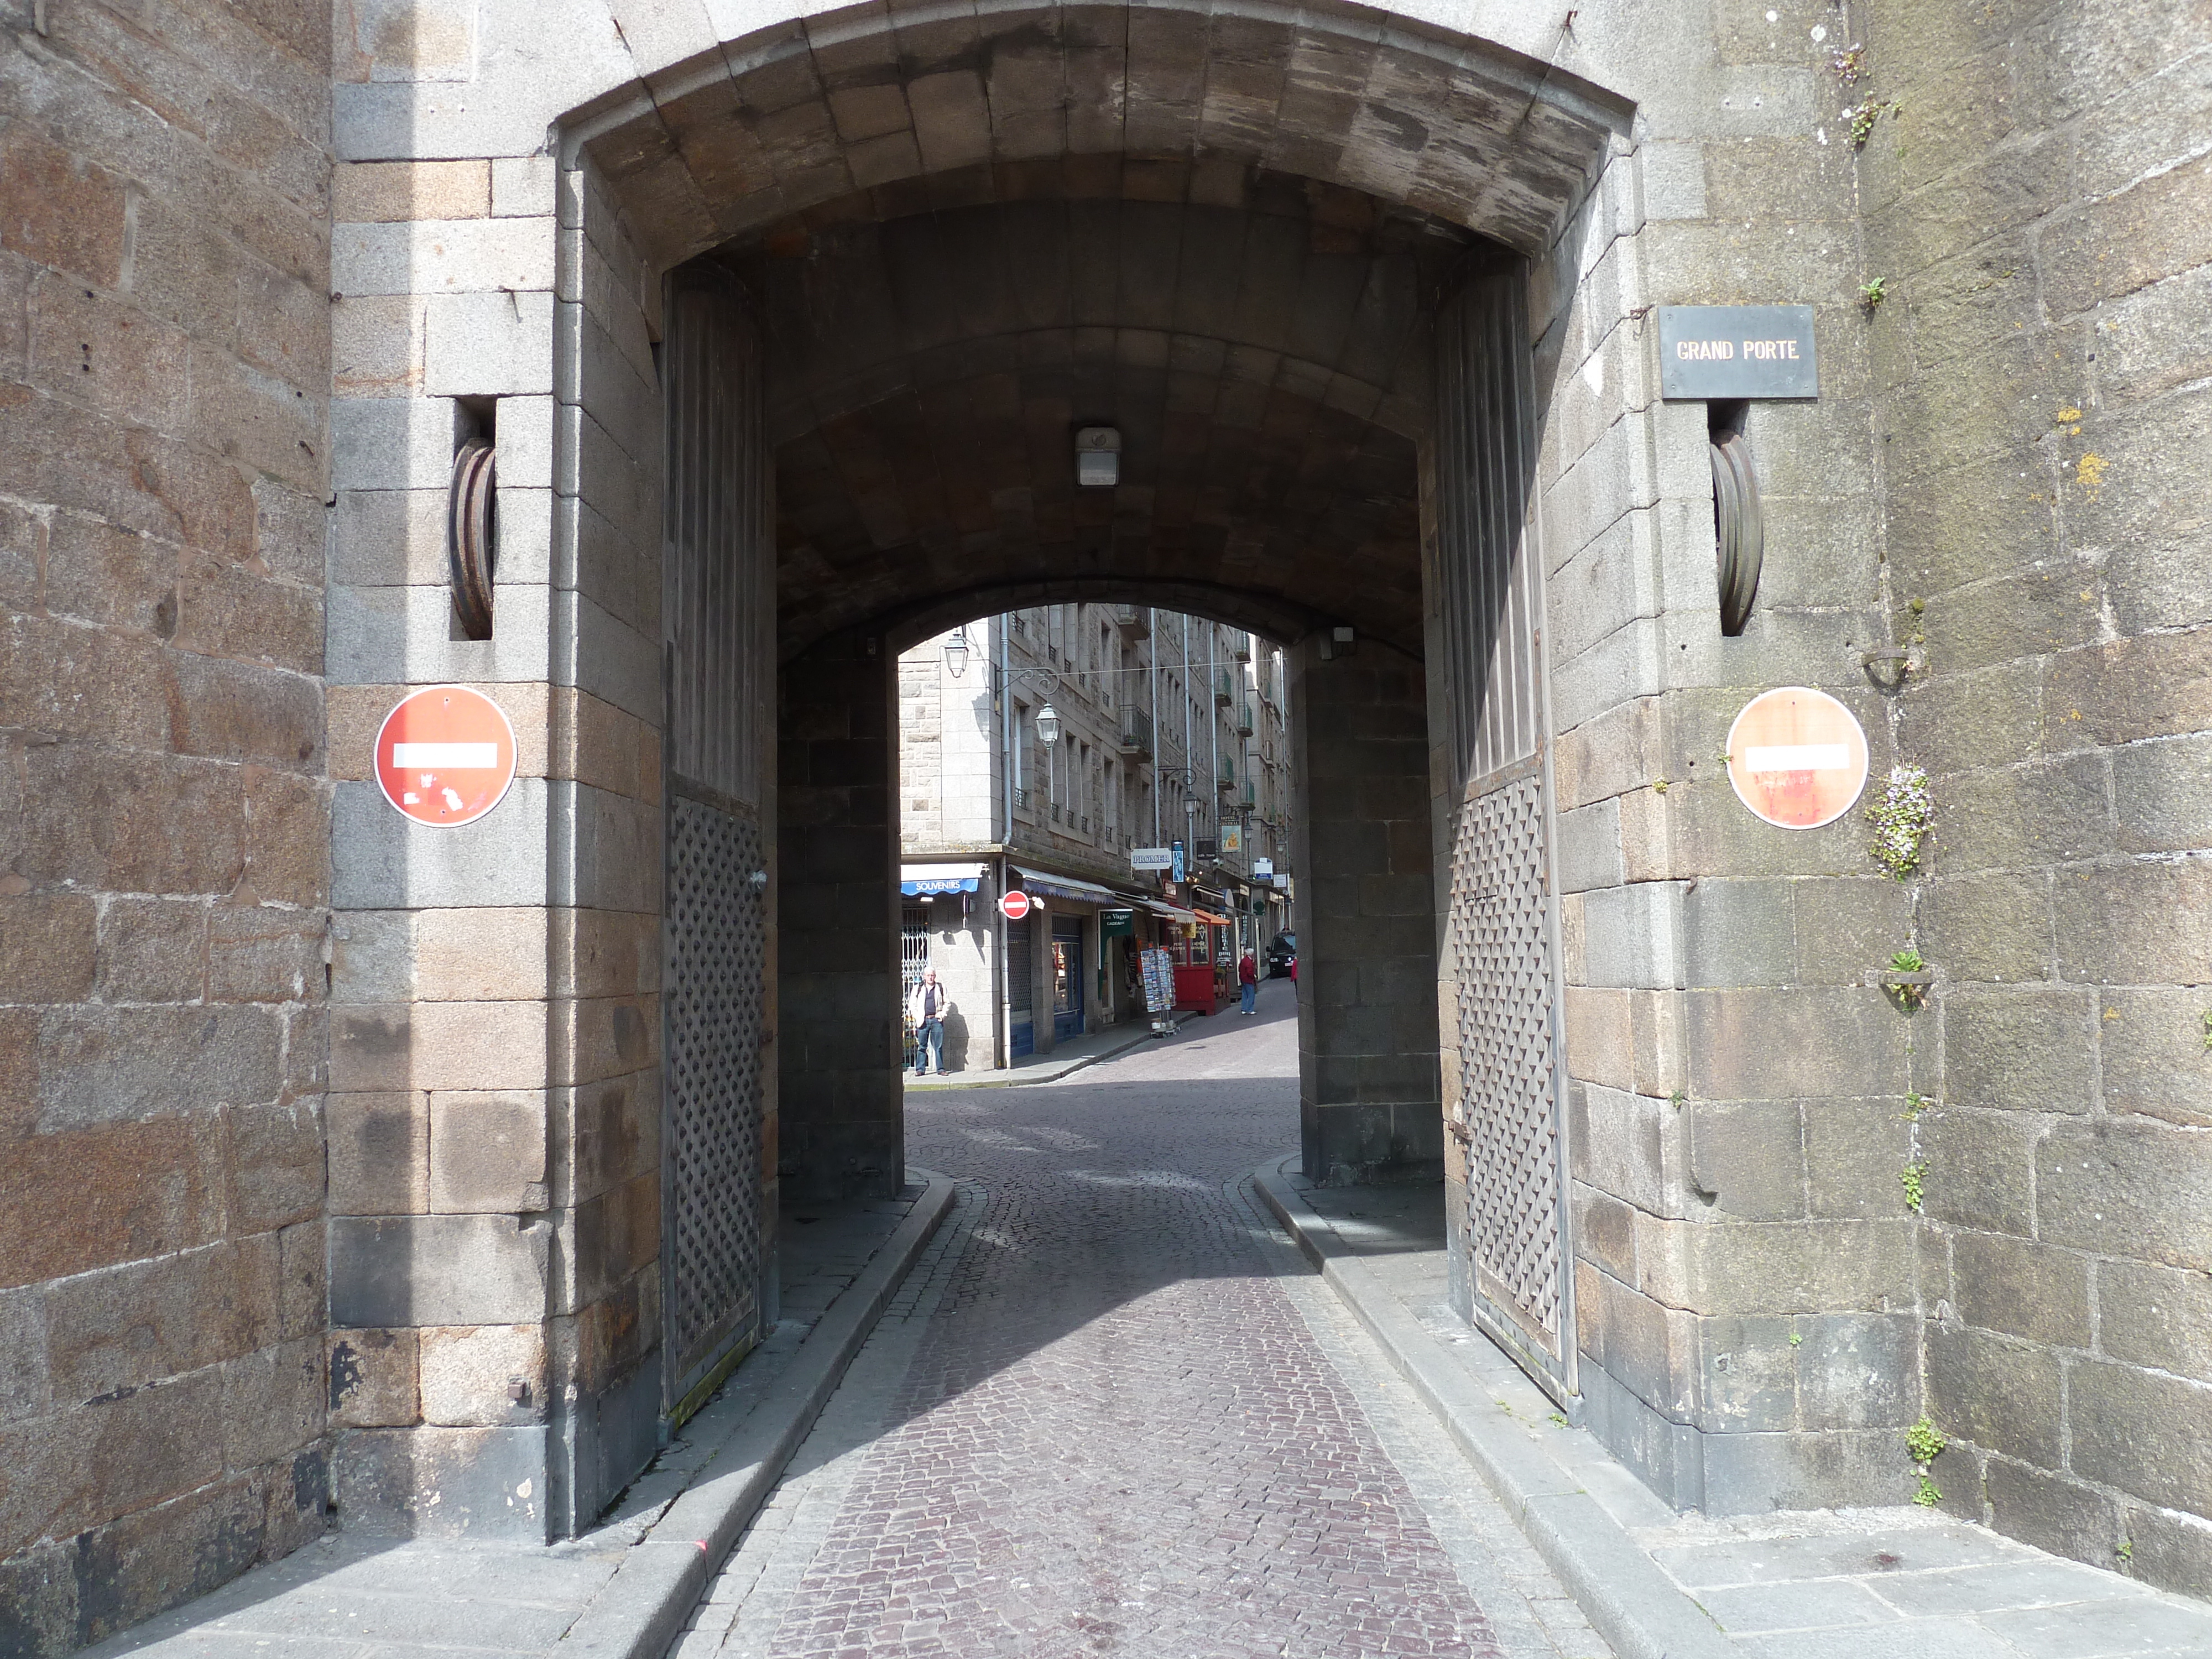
(1066, 887)
(1218, 922)
(921, 878)
(1173, 913)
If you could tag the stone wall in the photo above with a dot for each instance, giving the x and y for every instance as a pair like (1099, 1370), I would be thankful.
(494, 1162)
(1743, 1262)
(1369, 1110)
(843, 1129)
(164, 820)
(2040, 206)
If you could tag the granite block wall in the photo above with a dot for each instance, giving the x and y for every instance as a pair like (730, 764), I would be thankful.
(164, 807)
(2037, 198)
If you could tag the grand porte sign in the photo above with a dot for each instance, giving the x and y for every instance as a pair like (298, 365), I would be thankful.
(1721, 352)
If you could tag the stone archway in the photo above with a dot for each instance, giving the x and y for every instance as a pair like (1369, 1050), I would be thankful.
(920, 106)
(926, 326)
(728, 446)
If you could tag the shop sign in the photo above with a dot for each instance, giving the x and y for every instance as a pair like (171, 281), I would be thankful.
(1263, 869)
(1117, 924)
(1152, 857)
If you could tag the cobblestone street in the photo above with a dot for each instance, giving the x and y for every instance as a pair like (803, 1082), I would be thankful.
(1111, 1414)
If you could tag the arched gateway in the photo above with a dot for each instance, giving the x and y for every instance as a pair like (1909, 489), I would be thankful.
(831, 302)
(462, 1148)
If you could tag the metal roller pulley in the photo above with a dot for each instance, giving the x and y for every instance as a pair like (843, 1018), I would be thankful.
(1740, 529)
(472, 544)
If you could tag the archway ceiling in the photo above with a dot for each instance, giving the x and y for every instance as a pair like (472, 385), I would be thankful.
(1263, 356)
(813, 110)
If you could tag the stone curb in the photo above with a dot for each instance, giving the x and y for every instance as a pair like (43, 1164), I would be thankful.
(642, 1610)
(1620, 1590)
(998, 1082)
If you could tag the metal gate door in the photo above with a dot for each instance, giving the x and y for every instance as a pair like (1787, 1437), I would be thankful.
(1509, 1106)
(1510, 1263)
(1021, 1030)
(1067, 1000)
(914, 960)
(717, 951)
(718, 1094)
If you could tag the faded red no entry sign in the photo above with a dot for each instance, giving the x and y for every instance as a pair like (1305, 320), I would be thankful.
(1797, 757)
(445, 756)
(1016, 904)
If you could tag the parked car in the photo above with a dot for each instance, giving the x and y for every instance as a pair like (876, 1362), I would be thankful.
(1282, 954)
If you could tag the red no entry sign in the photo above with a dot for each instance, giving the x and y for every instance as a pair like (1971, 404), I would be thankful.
(1797, 757)
(445, 755)
(1016, 904)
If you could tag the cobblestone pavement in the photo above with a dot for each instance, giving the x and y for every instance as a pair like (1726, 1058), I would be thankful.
(1108, 1413)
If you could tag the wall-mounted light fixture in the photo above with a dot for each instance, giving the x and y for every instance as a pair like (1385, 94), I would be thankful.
(1097, 457)
(1048, 723)
(956, 652)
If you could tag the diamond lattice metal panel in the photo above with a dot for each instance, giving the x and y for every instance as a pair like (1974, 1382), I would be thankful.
(1508, 1096)
(713, 997)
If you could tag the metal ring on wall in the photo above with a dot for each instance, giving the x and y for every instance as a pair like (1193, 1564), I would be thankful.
(472, 549)
(1739, 528)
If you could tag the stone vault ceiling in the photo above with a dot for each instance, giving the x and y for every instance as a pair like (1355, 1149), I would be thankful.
(1259, 341)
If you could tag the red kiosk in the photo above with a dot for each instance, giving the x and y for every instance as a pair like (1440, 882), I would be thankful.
(1199, 976)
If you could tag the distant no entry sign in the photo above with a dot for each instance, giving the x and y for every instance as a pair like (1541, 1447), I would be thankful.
(1797, 757)
(1016, 904)
(445, 755)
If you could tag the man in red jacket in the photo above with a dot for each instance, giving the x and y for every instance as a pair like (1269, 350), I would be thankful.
(1248, 982)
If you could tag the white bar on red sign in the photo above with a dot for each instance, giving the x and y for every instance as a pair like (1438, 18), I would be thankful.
(1798, 757)
(434, 755)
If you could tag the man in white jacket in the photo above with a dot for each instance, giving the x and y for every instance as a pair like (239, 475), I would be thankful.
(926, 1007)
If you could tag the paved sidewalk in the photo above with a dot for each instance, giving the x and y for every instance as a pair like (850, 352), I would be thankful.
(346, 1597)
(1873, 1583)
(1065, 1059)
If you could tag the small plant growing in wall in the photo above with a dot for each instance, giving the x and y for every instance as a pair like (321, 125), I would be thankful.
(1910, 1178)
(1924, 1443)
(1902, 816)
(1872, 294)
(1849, 63)
(1863, 116)
(1907, 980)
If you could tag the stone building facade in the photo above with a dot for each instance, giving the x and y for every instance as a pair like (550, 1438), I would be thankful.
(1168, 728)
(337, 1165)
